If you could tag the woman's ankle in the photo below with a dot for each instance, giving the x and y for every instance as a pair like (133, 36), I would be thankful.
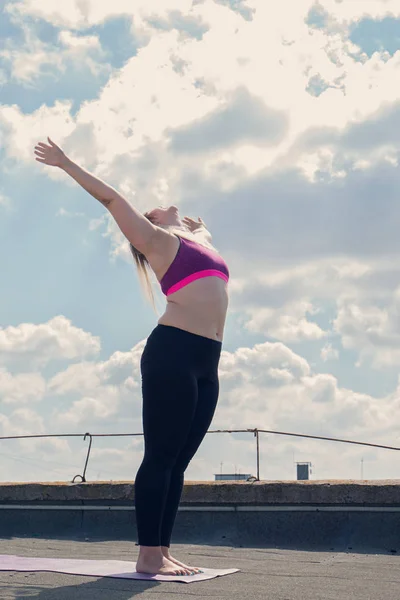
(150, 550)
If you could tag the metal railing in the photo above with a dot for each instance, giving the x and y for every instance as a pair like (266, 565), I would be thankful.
(255, 431)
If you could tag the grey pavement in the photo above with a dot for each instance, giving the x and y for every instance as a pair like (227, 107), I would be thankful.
(265, 573)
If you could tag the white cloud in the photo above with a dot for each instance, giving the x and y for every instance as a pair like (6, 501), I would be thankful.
(89, 410)
(287, 323)
(23, 388)
(354, 11)
(329, 353)
(78, 42)
(78, 15)
(34, 346)
(32, 60)
(373, 331)
(84, 377)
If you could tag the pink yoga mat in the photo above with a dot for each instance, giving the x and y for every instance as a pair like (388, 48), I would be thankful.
(120, 569)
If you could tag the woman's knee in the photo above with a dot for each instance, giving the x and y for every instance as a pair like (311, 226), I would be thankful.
(158, 461)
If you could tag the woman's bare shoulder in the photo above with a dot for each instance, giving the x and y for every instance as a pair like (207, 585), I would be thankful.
(166, 242)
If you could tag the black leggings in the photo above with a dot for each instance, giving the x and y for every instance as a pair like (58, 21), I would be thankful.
(180, 390)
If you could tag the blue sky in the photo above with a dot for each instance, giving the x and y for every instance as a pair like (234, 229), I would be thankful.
(284, 136)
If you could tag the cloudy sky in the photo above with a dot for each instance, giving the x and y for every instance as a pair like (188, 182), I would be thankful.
(279, 125)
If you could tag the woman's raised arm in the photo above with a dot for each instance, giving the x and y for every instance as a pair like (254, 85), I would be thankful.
(138, 230)
(54, 156)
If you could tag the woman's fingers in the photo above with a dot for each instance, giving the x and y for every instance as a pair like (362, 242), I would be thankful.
(49, 155)
(42, 148)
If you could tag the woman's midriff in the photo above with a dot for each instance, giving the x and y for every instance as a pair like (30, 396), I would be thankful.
(199, 308)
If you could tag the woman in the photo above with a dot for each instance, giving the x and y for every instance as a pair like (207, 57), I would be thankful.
(179, 364)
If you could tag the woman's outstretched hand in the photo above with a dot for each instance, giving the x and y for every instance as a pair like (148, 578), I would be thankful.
(50, 155)
(192, 224)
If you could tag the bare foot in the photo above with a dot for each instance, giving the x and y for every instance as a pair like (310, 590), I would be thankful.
(168, 556)
(160, 566)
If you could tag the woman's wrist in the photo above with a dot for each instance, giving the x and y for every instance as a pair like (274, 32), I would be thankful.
(65, 162)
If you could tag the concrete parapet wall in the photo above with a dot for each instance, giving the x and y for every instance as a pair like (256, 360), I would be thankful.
(315, 515)
(333, 492)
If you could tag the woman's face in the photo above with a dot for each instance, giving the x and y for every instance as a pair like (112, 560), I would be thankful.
(166, 215)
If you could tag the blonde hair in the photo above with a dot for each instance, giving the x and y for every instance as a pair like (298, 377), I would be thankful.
(143, 266)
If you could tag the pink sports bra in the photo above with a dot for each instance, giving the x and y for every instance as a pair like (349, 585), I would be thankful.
(193, 261)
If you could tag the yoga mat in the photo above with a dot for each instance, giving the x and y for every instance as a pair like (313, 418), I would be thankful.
(120, 569)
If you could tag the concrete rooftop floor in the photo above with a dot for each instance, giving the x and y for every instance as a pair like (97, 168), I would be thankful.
(265, 573)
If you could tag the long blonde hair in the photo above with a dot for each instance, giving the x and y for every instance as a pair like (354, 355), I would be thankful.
(143, 266)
